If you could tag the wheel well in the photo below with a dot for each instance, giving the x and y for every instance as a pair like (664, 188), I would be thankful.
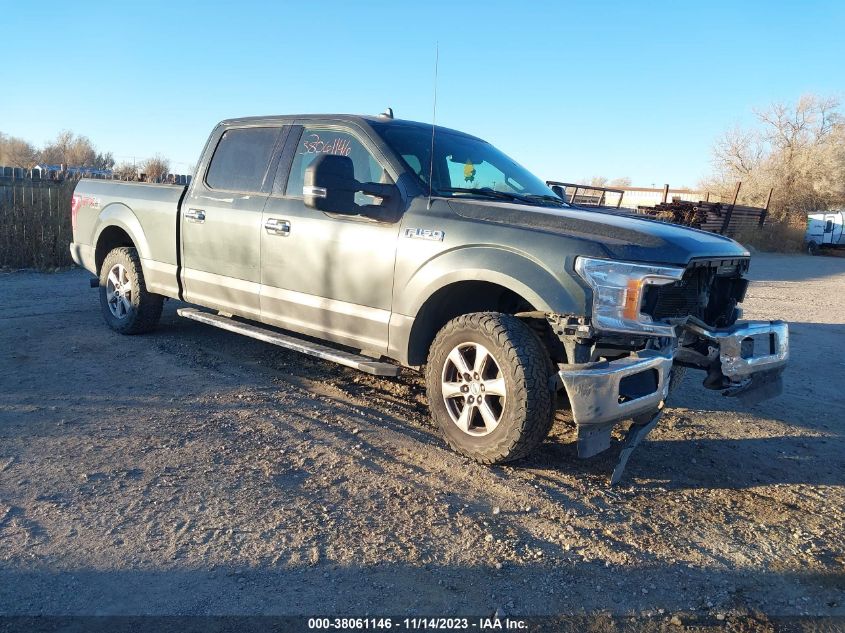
(461, 298)
(112, 237)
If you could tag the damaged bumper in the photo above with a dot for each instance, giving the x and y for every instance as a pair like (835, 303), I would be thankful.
(745, 360)
(612, 391)
(748, 348)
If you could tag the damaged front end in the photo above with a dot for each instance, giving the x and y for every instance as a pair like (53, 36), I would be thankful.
(745, 360)
(647, 320)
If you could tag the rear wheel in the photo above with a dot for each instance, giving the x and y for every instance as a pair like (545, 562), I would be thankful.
(812, 248)
(127, 306)
(488, 387)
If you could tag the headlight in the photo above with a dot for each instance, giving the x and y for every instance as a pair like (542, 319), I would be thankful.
(618, 289)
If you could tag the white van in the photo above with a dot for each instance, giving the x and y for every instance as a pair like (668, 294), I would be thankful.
(824, 230)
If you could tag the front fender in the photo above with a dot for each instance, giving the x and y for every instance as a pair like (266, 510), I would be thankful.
(546, 290)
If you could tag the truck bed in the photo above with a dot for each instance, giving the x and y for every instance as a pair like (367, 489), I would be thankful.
(147, 211)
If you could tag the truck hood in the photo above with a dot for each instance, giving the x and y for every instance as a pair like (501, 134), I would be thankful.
(624, 236)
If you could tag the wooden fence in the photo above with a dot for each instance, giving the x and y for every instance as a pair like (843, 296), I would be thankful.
(35, 228)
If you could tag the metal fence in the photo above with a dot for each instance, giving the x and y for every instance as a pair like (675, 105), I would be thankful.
(700, 212)
(717, 217)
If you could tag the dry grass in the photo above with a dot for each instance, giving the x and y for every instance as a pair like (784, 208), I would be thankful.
(35, 229)
(780, 237)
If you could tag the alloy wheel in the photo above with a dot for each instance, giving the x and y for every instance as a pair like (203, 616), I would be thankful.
(119, 291)
(473, 389)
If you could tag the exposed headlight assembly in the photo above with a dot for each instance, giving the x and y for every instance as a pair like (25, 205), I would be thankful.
(618, 289)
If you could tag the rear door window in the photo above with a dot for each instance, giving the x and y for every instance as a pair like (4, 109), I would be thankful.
(241, 161)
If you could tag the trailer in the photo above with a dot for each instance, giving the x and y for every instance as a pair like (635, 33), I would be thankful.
(824, 231)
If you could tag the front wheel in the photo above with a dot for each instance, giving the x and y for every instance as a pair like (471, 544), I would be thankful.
(812, 248)
(127, 306)
(488, 387)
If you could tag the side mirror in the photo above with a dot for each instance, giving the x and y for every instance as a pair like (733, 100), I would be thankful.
(330, 184)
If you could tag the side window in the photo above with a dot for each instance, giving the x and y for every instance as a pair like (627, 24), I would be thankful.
(828, 227)
(242, 159)
(316, 141)
(414, 163)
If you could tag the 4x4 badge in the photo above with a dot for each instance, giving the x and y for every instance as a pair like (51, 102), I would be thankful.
(425, 234)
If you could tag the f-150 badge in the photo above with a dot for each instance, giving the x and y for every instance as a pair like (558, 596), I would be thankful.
(425, 234)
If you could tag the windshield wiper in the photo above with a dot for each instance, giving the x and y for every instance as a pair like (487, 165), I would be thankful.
(491, 193)
(547, 198)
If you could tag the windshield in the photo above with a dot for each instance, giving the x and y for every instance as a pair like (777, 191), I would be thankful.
(464, 165)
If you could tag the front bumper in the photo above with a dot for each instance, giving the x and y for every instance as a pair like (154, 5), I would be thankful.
(747, 358)
(748, 348)
(597, 391)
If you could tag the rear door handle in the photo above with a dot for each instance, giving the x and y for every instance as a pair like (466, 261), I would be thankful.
(195, 215)
(275, 226)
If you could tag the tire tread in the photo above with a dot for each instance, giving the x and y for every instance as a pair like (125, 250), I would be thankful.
(529, 365)
(149, 305)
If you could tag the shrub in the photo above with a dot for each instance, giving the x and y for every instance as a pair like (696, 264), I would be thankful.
(777, 237)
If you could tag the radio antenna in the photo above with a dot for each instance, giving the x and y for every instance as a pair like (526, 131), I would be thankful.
(433, 121)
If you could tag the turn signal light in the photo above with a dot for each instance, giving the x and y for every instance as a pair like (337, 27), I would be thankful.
(631, 307)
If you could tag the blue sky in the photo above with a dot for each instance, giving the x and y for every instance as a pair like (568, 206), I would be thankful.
(571, 90)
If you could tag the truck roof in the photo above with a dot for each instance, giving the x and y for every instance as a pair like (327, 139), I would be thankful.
(360, 119)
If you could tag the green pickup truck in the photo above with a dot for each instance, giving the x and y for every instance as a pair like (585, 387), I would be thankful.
(401, 244)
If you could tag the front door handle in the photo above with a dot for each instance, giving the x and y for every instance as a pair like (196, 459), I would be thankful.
(275, 226)
(195, 215)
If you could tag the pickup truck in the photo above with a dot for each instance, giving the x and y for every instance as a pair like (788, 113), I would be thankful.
(380, 243)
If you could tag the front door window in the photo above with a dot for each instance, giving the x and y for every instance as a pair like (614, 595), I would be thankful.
(323, 140)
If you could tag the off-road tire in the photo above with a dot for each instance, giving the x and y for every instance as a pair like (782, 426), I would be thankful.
(145, 310)
(528, 412)
(676, 377)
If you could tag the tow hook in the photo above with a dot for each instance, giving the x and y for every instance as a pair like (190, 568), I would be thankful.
(637, 432)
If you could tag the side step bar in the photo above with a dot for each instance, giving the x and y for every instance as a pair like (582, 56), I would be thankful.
(361, 363)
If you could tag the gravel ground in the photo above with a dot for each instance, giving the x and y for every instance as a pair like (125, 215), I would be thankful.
(193, 471)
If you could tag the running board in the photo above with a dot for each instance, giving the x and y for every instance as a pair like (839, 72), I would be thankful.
(361, 363)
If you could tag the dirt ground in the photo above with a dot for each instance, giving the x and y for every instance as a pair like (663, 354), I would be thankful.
(193, 471)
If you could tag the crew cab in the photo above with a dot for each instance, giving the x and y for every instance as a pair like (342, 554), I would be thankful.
(400, 244)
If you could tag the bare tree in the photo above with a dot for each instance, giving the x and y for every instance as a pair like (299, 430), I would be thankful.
(155, 168)
(126, 171)
(604, 181)
(739, 151)
(75, 151)
(16, 152)
(797, 149)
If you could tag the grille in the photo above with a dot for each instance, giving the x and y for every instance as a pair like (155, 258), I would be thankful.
(685, 297)
(709, 290)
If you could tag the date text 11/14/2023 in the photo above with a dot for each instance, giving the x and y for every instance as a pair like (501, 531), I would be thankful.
(417, 624)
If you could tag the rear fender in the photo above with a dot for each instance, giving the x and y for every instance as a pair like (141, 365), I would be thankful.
(119, 215)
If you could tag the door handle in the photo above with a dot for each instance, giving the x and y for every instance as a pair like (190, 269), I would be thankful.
(195, 215)
(275, 226)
